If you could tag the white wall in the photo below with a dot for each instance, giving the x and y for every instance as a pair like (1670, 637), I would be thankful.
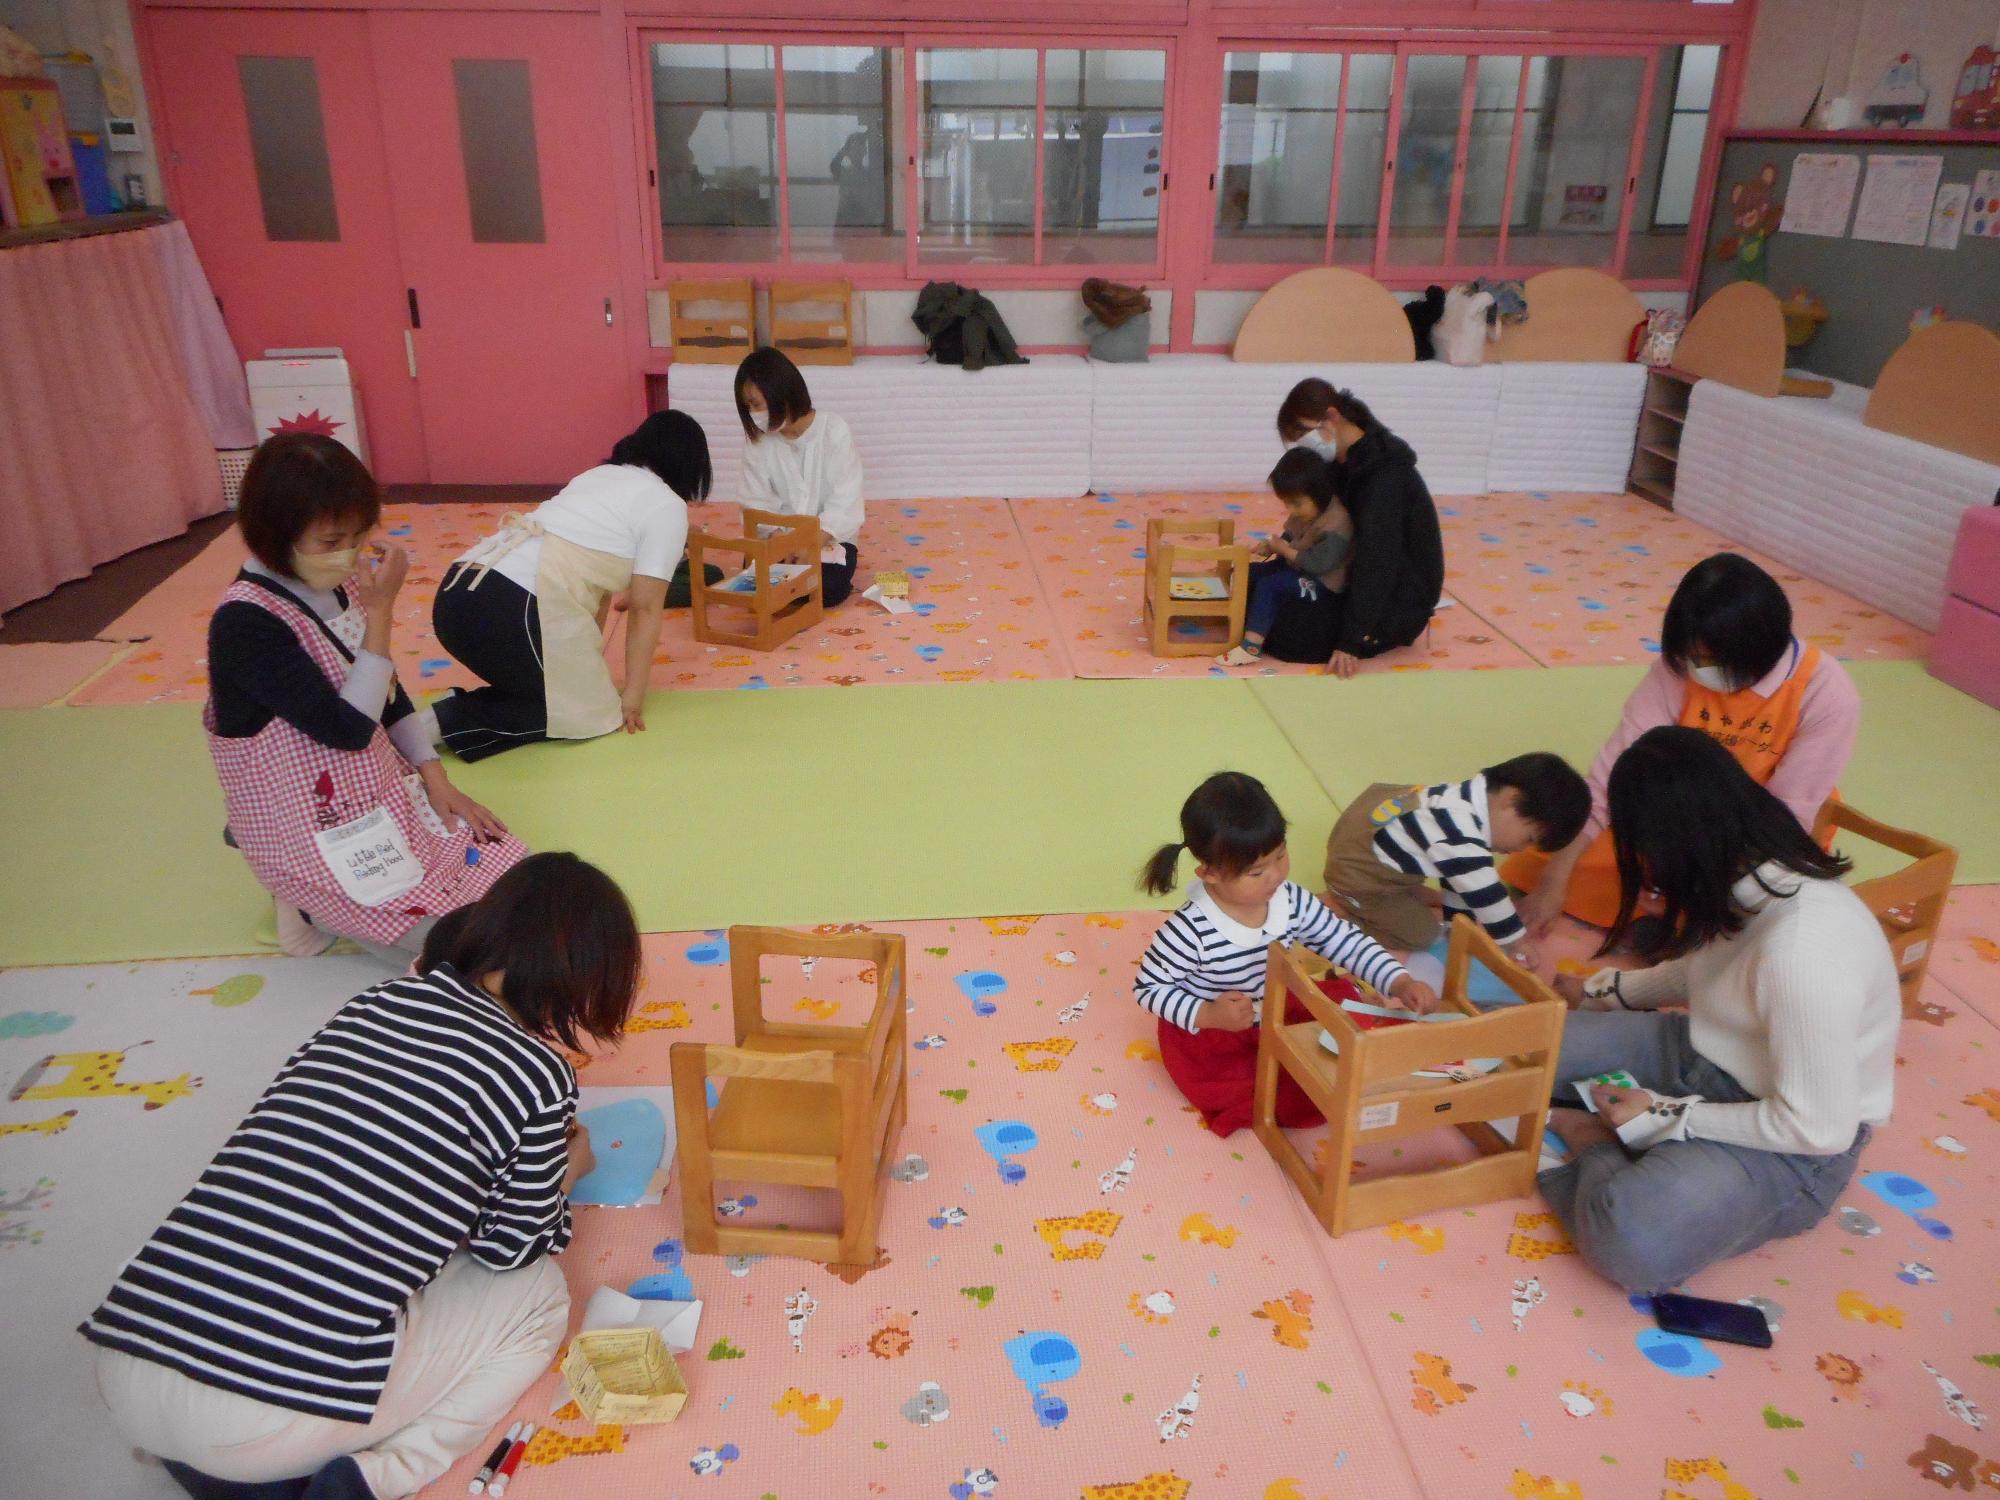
(102, 28)
(1800, 46)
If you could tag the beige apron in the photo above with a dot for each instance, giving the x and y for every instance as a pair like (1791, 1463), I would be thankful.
(572, 586)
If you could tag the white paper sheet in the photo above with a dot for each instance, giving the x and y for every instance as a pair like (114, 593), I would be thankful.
(1821, 193)
(679, 1322)
(632, 1136)
(1948, 216)
(1983, 217)
(1896, 198)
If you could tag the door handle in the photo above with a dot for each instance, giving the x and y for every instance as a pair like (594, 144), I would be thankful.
(410, 350)
(416, 317)
(607, 312)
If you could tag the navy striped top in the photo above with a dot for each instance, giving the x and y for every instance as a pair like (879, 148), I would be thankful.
(1445, 833)
(419, 1121)
(1201, 952)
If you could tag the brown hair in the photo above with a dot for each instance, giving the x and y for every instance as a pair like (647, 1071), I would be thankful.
(781, 385)
(562, 936)
(1305, 405)
(1113, 303)
(1228, 822)
(294, 481)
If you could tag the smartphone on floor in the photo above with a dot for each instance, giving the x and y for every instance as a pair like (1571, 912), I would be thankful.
(1702, 1318)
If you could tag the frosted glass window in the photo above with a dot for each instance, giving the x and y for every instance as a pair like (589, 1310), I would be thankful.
(288, 147)
(843, 152)
(496, 136)
(1280, 111)
(1103, 124)
(715, 120)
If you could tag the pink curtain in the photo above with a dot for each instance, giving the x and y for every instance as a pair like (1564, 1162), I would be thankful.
(102, 447)
(215, 374)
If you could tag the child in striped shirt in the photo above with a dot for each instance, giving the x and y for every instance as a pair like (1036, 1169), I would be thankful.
(1203, 974)
(1393, 840)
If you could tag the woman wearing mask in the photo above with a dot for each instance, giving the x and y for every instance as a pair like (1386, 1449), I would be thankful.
(1729, 666)
(334, 793)
(798, 461)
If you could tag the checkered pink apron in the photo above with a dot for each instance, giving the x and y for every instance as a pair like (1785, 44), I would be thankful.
(281, 787)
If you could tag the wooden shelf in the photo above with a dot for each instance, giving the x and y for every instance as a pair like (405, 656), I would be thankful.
(1678, 417)
(1660, 450)
(1653, 490)
(1656, 450)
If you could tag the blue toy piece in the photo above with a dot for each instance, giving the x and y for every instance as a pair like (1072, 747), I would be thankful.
(1909, 1195)
(629, 1138)
(670, 1285)
(1004, 1139)
(1482, 986)
(1041, 1359)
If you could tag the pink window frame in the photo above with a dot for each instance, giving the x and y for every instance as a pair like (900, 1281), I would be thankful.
(878, 275)
(1217, 275)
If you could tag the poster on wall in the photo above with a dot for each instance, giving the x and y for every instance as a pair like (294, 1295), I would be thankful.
(1948, 216)
(1584, 205)
(1896, 198)
(1982, 216)
(1821, 193)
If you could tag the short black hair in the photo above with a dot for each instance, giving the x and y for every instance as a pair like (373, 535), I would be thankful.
(294, 481)
(1548, 793)
(561, 935)
(779, 382)
(1303, 472)
(1229, 821)
(1305, 405)
(673, 446)
(1732, 609)
(1688, 822)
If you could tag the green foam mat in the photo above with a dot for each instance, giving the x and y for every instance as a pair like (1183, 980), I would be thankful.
(801, 806)
(1925, 758)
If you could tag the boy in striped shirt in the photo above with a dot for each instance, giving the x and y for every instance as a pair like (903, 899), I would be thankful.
(1393, 841)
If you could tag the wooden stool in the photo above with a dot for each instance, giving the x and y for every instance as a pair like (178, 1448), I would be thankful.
(802, 328)
(811, 1106)
(779, 604)
(1910, 903)
(1369, 1093)
(719, 338)
(1186, 581)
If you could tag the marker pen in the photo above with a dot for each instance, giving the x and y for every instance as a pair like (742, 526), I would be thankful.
(512, 1462)
(493, 1460)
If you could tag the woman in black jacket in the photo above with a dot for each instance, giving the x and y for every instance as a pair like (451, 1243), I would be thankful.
(1396, 573)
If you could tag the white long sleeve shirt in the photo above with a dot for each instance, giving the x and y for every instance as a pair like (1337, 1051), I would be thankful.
(817, 473)
(1801, 1007)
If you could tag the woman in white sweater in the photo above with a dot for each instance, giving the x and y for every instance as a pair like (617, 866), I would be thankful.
(1754, 1105)
(800, 462)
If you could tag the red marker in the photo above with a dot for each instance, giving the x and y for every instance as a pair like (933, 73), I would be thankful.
(513, 1461)
(494, 1460)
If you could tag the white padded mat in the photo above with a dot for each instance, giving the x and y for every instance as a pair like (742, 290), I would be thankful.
(923, 429)
(1803, 480)
(1565, 426)
(1205, 422)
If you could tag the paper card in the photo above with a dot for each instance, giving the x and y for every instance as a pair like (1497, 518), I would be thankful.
(679, 1323)
(1983, 213)
(1617, 1077)
(1380, 1116)
(1820, 195)
(632, 1136)
(874, 595)
(1197, 588)
(1948, 215)
(1463, 1070)
(1896, 198)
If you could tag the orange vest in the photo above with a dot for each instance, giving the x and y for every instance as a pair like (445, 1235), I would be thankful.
(1757, 731)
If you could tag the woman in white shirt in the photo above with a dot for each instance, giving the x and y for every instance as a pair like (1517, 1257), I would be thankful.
(525, 609)
(800, 462)
(1752, 1107)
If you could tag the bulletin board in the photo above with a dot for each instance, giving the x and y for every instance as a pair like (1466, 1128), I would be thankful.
(1870, 289)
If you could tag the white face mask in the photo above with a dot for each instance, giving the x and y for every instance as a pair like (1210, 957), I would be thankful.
(325, 570)
(1315, 442)
(1715, 679)
(767, 420)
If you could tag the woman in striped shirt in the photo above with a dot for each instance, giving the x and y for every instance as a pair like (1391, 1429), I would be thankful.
(1203, 974)
(360, 1284)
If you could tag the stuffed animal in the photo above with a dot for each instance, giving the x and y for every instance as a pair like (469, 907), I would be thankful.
(1753, 214)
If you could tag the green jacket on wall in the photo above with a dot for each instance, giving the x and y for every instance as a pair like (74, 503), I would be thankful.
(962, 327)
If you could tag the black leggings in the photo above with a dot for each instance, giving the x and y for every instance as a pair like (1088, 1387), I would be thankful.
(836, 580)
(496, 630)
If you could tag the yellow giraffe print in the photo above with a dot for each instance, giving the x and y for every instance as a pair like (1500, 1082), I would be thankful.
(1055, 1233)
(94, 1075)
(1687, 1470)
(54, 1125)
(1533, 1247)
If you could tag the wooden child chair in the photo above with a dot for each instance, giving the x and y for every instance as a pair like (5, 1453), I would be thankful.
(781, 555)
(812, 322)
(1908, 903)
(720, 335)
(1370, 1094)
(1206, 581)
(807, 1105)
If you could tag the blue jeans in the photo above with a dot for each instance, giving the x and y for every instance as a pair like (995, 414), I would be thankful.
(1652, 1221)
(1271, 584)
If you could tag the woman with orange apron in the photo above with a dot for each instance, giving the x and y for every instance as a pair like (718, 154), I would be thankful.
(1729, 666)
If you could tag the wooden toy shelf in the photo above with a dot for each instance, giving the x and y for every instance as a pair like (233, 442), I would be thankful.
(1656, 455)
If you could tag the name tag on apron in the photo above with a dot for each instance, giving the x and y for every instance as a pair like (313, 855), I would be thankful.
(370, 858)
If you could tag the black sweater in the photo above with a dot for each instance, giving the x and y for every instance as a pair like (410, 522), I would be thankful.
(258, 671)
(1396, 575)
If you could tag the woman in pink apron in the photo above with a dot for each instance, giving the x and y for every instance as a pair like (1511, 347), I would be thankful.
(334, 792)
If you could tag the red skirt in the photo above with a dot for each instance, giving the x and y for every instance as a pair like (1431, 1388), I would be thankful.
(1217, 1070)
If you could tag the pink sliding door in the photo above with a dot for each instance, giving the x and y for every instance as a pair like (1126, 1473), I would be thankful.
(279, 171)
(500, 174)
